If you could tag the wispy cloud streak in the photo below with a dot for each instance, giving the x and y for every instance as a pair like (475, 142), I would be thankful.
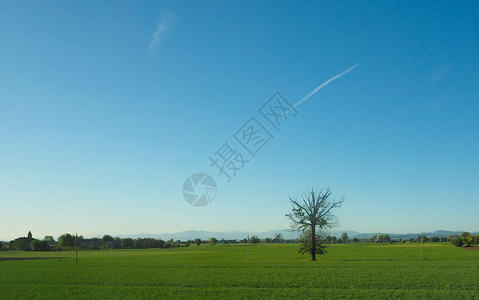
(167, 23)
(440, 73)
(45, 137)
(326, 83)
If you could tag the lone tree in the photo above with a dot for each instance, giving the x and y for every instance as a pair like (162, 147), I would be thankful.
(344, 237)
(313, 213)
(278, 238)
(254, 239)
(213, 241)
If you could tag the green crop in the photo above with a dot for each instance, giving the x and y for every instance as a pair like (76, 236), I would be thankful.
(365, 271)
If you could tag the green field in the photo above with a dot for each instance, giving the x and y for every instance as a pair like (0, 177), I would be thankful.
(223, 271)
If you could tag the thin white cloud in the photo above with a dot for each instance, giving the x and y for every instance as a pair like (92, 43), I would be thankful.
(167, 23)
(325, 84)
(45, 137)
(440, 73)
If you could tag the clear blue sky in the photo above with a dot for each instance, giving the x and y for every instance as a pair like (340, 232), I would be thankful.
(106, 108)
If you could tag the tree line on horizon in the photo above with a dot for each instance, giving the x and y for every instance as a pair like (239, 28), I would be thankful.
(68, 242)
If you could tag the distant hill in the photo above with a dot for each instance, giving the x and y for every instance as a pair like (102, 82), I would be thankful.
(204, 235)
(404, 236)
(287, 234)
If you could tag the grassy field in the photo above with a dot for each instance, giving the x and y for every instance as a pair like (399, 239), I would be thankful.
(275, 271)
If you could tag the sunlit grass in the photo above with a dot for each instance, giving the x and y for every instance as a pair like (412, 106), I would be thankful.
(274, 271)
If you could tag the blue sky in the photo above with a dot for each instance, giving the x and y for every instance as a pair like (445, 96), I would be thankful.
(107, 107)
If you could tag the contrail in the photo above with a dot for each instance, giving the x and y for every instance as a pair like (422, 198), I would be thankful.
(325, 84)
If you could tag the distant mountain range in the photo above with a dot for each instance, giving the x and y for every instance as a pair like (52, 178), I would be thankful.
(406, 236)
(227, 235)
(287, 234)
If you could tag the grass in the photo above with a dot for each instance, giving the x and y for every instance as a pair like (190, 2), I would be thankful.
(275, 271)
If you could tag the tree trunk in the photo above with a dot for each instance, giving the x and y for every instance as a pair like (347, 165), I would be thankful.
(313, 243)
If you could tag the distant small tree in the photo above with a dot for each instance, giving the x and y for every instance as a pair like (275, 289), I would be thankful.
(107, 241)
(213, 241)
(384, 238)
(50, 240)
(22, 244)
(373, 238)
(197, 242)
(170, 243)
(268, 240)
(387, 238)
(2, 247)
(355, 240)
(328, 239)
(107, 238)
(254, 239)
(116, 243)
(278, 238)
(38, 245)
(423, 237)
(66, 241)
(161, 243)
(457, 241)
(93, 243)
(127, 243)
(344, 237)
(468, 239)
